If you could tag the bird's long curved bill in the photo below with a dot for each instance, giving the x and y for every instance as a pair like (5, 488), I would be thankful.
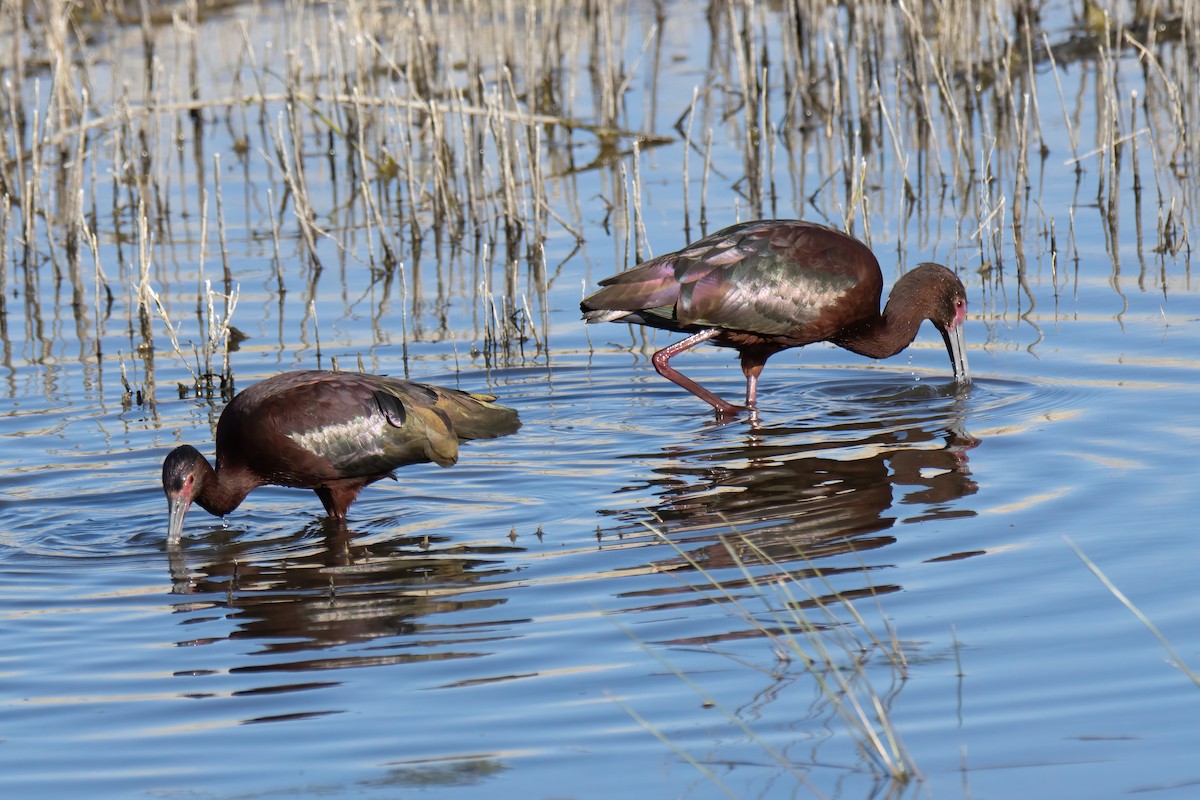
(957, 350)
(178, 508)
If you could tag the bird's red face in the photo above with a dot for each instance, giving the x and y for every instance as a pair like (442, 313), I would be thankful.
(184, 491)
(960, 311)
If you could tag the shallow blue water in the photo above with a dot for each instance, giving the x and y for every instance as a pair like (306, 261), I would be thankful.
(584, 609)
(432, 649)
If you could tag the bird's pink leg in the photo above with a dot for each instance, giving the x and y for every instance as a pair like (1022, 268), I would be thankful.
(663, 356)
(751, 366)
(753, 362)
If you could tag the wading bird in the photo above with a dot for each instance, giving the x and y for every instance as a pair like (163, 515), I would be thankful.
(765, 286)
(332, 432)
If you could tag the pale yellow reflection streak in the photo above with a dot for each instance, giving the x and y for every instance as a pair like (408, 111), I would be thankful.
(1029, 502)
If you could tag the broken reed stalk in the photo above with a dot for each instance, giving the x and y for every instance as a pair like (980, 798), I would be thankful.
(75, 225)
(704, 176)
(1072, 134)
(100, 285)
(1174, 659)
(472, 178)
(276, 259)
(30, 201)
(773, 139)
(217, 338)
(226, 272)
(375, 218)
(1137, 186)
(830, 650)
(289, 168)
(145, 296)
(408, 132)
(622, 202)
(687, 153)
(638, 226)
(5, 221)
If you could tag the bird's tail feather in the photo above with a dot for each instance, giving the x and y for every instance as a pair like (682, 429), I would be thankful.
(477, 416)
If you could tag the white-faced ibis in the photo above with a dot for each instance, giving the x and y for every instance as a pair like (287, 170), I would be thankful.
(332, 432)
(761, 287)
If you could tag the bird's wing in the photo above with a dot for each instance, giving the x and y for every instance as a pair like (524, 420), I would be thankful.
(303, 428)
(769, 277)
(417, 422)
(779, 278)
(650, 288)
(650, 293)
(352, 429)
(761, 294)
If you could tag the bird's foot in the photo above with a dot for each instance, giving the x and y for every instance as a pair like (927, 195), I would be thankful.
(728, 411)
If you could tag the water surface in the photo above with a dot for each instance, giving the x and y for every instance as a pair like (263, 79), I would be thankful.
(601, 605)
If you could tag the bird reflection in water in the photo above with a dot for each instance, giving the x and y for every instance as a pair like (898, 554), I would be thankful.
(812, 490)
(801, 493)
(321, 589)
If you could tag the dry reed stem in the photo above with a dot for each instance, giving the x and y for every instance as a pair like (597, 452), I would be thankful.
(841, 678)
(5, 221)
(314, 100)
(687, 153)
(459, 137)
(1175, 659)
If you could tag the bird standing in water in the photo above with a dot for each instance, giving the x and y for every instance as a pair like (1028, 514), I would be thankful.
(332, 432)
(765, 286)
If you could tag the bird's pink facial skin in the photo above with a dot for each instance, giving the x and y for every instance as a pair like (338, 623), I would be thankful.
(960, 312)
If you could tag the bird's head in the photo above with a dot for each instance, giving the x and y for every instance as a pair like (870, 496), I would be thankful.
(943, 298)
(183, 477)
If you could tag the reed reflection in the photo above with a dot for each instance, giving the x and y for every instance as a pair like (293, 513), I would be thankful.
(809, 490)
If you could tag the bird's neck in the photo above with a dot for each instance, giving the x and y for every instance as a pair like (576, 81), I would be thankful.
(885, 334)
(223, 490)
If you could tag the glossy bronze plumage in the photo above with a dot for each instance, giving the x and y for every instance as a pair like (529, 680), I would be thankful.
(332, 432)
(765, 286)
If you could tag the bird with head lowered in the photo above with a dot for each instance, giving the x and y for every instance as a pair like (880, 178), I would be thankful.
(765, 286)
(332, 432)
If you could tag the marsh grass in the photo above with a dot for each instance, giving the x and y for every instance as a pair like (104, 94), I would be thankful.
(1175, 659)
(803, 619)
(453, 133)
(450, 148)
